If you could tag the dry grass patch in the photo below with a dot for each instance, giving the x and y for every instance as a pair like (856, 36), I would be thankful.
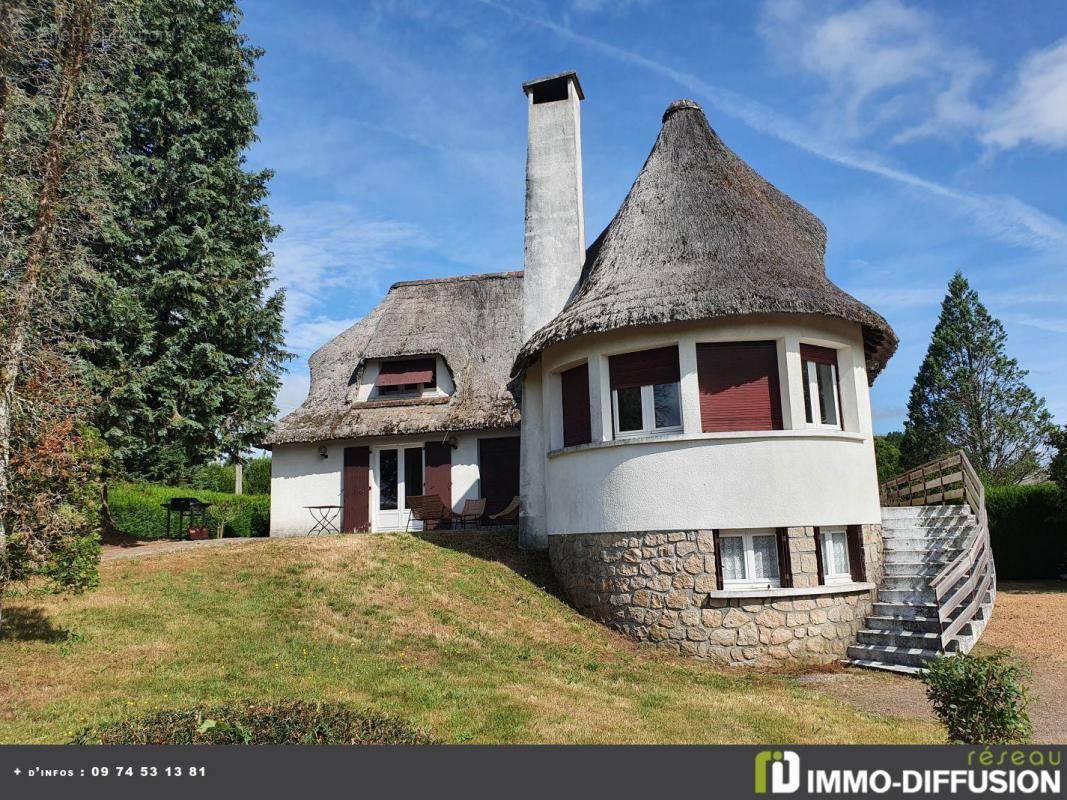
(456, 633)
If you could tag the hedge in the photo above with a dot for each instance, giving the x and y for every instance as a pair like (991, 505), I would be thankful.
(292, 722)
(1028, 530)
(220, 477)
(137, 510)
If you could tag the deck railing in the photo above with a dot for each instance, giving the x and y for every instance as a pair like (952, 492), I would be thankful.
(961, 587)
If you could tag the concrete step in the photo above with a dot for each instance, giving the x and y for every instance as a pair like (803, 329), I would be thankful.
(917, 624)
(906, 595)
(927, 569)
(882, 665)
(908, 640)
(927, 523)
(949, 547)
(923, 610)
(928, 512)
(905, 656)
(905, 583)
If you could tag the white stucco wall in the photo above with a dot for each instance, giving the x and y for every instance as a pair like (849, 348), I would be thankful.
(301, 477)
(798, 476)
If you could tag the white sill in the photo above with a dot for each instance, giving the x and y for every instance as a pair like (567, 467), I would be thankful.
(806, 591)
(656, 433)
(834, 434)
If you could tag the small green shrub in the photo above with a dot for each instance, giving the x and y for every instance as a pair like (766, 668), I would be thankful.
(137, 509)
(980, 699)
(293, 722)
(1028, 530)
(220, 477)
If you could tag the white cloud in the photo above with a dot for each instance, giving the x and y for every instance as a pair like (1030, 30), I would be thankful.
(1036, 108)
(1049, 324)
(999, 216)
(883, 62)
(294, 391)
(309, 335)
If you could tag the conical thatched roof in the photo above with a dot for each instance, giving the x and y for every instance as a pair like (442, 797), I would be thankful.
(473, 321)
(702, 235)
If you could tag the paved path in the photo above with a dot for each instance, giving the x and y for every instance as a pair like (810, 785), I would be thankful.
(111, 552)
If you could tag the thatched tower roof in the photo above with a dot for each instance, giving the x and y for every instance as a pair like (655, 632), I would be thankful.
(473, 321)
(702, 235)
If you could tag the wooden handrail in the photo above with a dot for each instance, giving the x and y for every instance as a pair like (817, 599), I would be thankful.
(960, 588)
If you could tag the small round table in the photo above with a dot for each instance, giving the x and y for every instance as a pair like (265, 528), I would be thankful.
(326, 519)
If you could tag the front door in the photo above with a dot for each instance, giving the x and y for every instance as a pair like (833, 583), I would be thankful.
(355, 490)
(398, 474)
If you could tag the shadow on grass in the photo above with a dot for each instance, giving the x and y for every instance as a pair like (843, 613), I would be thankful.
(1032, 587)
(22, 624)
(501, 546)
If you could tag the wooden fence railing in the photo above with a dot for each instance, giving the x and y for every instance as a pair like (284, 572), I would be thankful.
(960, 588)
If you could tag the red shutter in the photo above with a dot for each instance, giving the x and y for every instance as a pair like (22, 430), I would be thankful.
(856, 561)
(577, 427)
(355, 488)
(818, 557)
(785, 563)
(820, 355)
(411, 370)
(739, 388)
(644, 368)
(718, 559)
(498, 471)
(438, 471)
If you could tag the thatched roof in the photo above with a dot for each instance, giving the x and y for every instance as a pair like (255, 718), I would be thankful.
(473, 321)
(702, 235)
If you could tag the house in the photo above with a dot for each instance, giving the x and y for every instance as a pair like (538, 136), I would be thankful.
(696, 449)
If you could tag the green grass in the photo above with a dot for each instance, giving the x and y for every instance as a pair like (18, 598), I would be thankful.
(460, 640)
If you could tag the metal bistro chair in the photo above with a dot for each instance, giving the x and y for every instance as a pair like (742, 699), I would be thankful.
(472, 512)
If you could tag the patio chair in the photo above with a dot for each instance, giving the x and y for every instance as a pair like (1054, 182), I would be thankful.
(472, 512)
(508, 515)
(429, 510)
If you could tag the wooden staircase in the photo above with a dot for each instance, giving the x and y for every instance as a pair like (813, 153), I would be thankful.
(939, 585)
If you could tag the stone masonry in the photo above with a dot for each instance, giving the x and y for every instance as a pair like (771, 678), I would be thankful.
(660, 587)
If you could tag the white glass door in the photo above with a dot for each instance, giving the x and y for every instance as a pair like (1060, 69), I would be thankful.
(398, 473)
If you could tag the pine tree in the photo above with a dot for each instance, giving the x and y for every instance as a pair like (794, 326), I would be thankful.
(970, 395)
(187, 334)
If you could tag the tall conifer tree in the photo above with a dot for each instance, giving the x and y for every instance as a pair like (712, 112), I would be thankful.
(188, 343)
(969, 394)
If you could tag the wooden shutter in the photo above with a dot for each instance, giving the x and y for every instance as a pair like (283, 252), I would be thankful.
(644, 368)
(355, 489)
(739, 388)
(577, 425)
(785, 564)
(818, 557)
(407, 371)
(498, 471)
(857, 565)
(718, 559)
(437, 474)
(820, 355)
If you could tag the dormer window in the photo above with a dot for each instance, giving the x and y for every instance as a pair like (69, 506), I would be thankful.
(403, 377)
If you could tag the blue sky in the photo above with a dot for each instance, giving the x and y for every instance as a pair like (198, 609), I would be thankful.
(928, 137)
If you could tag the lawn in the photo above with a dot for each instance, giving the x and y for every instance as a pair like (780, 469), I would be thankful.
(455, 634)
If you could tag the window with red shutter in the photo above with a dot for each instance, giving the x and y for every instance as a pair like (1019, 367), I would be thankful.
(406, 376)
(645, 392)
(739, 388)
(577, 427)
(822, 392)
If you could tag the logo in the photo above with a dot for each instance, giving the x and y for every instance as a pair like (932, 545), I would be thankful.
(784, 768)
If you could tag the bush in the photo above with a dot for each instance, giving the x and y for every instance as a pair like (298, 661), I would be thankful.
(137, 510)
(980, 699)
(1028, 530)
(257, 723)
(220, 477)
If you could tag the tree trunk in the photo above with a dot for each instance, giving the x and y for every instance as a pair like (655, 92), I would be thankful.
(238, 477)
(76, 35)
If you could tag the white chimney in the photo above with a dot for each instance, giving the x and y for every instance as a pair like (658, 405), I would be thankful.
(555, 214)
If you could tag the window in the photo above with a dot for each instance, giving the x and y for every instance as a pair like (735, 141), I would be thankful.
(821, 390)
(406, 376)
(835, 561)
(749, 559)
(574, 389)
(645, 395)
(739, 388)
(387, 472)
(412, 473)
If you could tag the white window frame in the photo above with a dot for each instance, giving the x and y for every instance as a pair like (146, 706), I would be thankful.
(648, 414)
(750, 560)
(826, 535)
(811, 379)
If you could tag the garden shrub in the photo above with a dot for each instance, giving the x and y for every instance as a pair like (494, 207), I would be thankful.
(980, 699)
(137, 510)
(220, 477)
(1028, 530)
(292, 722)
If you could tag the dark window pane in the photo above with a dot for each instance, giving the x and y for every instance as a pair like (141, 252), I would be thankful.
(630, 409)
(807, 391)
(412, 473)
(387, 471)
(668, 405)
(827, 394)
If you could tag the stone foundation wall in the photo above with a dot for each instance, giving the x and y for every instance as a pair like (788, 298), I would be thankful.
(660, 587)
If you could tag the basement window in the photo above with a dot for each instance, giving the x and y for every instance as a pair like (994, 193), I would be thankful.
(835, 562)
(749, 559)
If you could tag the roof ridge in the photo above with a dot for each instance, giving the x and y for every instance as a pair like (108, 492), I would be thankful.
(453, 278)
